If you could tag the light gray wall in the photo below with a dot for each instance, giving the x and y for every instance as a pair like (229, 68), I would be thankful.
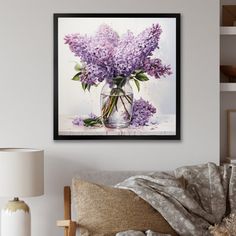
(26, 96)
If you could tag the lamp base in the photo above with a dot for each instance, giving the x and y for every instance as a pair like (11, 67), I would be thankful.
(15, 219)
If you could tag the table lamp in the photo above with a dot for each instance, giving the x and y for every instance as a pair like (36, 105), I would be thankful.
(21, 175)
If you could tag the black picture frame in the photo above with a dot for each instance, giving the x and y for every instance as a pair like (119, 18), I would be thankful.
(57, 136)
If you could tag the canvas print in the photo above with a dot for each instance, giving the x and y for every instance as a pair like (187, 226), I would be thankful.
(116, 76)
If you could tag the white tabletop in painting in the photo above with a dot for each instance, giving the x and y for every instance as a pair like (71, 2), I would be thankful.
(164, 126)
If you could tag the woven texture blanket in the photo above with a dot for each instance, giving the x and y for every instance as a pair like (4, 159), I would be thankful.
(191, 198)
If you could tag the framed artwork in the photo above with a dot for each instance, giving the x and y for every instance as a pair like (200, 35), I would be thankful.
(116, 76)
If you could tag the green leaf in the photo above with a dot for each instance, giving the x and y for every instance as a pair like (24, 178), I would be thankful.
(141, 77)
(77, 77)
(92, 122)
(89, 87)
(137, 84)
(138, 71)
(119, 77)
(84, 86)
(78, 67)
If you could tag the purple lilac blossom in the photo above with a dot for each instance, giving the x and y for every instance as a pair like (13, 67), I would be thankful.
(106, 55)
(96, 50)
(142, 112)
(78, 121)
(148, 40)
(79, 45)
(107, 34)
(132, 51)
(93, 116)
(96, 53)
(155, 68)
(122, 55)
(92, 74)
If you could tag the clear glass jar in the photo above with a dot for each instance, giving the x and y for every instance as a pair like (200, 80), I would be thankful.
(117, 103)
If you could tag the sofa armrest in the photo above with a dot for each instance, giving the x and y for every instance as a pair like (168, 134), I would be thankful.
(69, 227)
(63, 223)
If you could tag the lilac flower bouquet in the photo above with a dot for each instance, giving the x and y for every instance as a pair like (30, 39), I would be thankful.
(107, 56)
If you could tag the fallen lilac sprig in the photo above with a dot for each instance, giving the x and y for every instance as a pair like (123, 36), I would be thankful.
(142, 112)
(92, 120)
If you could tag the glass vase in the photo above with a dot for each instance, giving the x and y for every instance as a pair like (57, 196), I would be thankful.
(117, 103)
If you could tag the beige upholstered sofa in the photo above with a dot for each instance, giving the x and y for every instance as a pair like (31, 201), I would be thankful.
(108, 178)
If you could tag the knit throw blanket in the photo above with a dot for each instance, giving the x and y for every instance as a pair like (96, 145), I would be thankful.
(191, 199)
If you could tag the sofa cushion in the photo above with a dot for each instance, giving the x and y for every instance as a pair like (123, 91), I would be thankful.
(103, 210)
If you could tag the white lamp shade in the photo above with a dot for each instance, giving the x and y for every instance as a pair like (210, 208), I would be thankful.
(21, 172)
